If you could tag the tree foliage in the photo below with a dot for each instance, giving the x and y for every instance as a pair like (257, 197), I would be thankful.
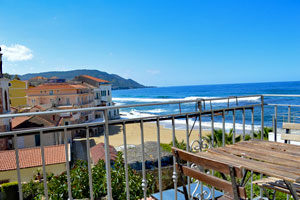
(217, 140)
(168, 147)
(6, 75)
(16, 77)
(58, 187)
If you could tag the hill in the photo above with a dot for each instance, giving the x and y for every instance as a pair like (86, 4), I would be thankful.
(117, 81)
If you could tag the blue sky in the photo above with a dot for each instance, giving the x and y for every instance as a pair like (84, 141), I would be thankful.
(160, 43)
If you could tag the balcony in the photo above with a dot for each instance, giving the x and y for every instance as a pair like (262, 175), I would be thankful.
(246, 120)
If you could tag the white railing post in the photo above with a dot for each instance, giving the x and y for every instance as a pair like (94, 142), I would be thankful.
(107, 156)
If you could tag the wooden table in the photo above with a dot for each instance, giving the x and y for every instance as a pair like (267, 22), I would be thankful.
(269, 158)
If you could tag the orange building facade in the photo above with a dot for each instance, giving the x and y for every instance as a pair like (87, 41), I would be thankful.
(60, 94)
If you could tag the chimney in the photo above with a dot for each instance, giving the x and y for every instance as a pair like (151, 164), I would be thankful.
(1, 73)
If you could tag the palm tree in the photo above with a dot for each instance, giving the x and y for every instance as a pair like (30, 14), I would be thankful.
(218, 137)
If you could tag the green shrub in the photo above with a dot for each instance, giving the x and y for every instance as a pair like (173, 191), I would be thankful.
(9, 190)
(58, 187)
(168, 147)
(218, 136)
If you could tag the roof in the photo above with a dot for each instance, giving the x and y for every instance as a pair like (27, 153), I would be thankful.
(54, 77)
(98, 152)
(48, 120)
(35, 108)
(18, 120)
(38, 78)
(95, 79)
(31, 157)
(59, 86)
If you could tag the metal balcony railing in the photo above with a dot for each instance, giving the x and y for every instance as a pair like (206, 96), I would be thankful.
(251, 116)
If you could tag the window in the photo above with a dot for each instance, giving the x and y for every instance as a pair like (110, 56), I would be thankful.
(68, 101)
(97, 95)
(103, 93)
(33, 100)
(37, 140)
(51, 92)
(107, 92)
(6, 100)
(41, 92)
(66, 123)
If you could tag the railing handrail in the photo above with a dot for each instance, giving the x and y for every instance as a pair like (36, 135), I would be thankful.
(120, 106)
(281, 95)
(127, 120)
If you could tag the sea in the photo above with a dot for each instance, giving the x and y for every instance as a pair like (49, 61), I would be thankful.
(175, 93)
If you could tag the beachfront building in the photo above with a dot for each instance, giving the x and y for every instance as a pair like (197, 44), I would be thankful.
(56, 96)
(31, 163)
(38, 80)
(4, 107)
(60, 94)
(39, 121)
(102, 94)
(17, 93)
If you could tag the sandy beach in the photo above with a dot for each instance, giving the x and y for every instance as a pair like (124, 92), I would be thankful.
(133, 134)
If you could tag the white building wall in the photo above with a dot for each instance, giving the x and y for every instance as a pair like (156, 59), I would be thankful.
(103, 95)
(106, 89)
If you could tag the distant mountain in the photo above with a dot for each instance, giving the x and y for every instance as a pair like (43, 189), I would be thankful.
(117, 81)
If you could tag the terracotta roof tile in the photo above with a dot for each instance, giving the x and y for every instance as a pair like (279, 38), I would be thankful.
(98, 152)
(59, 86)
(40, 120)
(18, 120)
(38, 78)
(95, 79)
(31, 157)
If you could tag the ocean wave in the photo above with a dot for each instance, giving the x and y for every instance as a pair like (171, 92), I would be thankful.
(119, 103)
(180, 124)
(158, 110)
(154, 100)
(134, 114)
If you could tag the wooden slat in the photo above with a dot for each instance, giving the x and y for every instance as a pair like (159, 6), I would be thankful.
(213, 181)
(294, 126)
(226, 197)
(266, 151)
(263, 157)
(291, 137)
(275, 184)
(287, 147)
(208, 163)
(279, 149)
(255, 166)
(259, 152)
(282, 168)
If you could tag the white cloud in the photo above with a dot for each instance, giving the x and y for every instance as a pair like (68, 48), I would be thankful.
(16, 52)
(153, 72)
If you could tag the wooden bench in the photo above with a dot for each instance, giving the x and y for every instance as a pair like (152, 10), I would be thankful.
(290, 137)
(275, 183)
(232, 189)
